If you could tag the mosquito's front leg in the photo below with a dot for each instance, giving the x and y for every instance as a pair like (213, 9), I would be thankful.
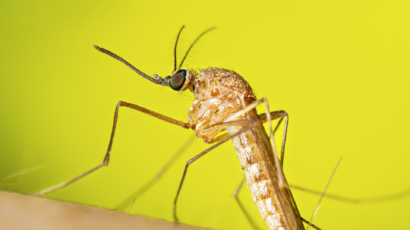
(108, 154)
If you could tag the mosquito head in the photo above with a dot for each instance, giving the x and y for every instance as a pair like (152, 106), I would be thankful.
(181, 79)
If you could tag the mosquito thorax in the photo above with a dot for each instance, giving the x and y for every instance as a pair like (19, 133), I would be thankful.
(218, 94)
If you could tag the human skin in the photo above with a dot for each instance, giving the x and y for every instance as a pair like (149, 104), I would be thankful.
(19, 211)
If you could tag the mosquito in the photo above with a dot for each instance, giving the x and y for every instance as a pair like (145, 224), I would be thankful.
(224, 101)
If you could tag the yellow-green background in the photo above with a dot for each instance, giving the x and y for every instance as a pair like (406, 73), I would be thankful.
(340, 68)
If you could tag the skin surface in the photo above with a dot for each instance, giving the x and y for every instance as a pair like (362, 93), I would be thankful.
(26, 212)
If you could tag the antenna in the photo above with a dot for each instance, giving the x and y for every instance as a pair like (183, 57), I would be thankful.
(175, 49)
(193, 44)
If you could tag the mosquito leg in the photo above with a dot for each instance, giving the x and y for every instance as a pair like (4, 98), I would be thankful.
(244, 211)
(355, 200)
(281, 178)
(219, 127)
(24, 171)
(323, 193)
(235, 194)
(275, 115)
(127, 203)
(219, 138)
(175, 157)
(107, 155)
(310, 224)
(233, 123)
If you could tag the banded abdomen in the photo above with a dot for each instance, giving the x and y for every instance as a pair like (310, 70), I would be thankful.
(265, 192)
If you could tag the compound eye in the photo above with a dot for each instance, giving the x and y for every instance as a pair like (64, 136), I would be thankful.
(177, 81)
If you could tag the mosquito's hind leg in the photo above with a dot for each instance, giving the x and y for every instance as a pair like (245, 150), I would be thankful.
(235, 194)
(127, 204)
(323, 193)
(275, 115)
(310, 224)
(107, 155)
(249, 123)
(244, 211)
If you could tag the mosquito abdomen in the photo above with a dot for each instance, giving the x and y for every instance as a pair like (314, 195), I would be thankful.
(257, 178)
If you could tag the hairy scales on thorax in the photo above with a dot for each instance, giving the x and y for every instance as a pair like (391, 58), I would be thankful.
(216, 94)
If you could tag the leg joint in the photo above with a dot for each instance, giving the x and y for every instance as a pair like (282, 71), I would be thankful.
(120, 103)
